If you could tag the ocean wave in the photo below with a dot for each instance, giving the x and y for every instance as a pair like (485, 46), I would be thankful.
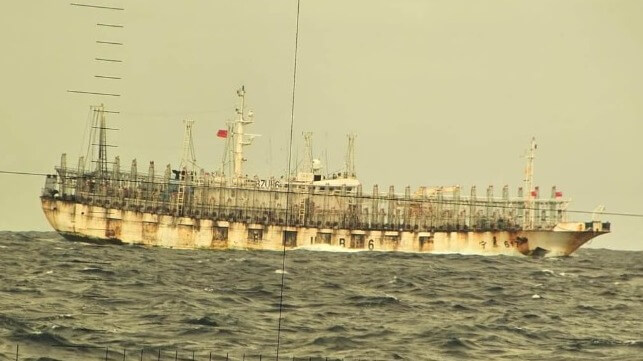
(327, 248)
(202, 321)
(343, 304)
(368, 301)
(44, 338)
(97, 271)
(458, 343)
(336, 343)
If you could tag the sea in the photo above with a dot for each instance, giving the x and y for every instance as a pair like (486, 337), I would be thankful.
(61, 300)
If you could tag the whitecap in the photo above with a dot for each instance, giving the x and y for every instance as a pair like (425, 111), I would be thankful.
(464, 252)
(328, 248)
(391, 297)
(279, 271)
(536, 296)
(88, 244)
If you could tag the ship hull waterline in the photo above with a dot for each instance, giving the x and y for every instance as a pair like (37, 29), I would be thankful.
(96, 224)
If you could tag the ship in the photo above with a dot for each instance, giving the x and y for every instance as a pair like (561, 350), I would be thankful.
(191, 208)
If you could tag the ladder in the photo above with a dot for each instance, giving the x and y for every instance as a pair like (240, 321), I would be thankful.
(302, 211)
(180, 196)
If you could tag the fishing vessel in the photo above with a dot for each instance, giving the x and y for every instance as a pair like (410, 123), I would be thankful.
(188, 207)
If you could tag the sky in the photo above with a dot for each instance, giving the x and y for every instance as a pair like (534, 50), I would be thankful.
(438, 92)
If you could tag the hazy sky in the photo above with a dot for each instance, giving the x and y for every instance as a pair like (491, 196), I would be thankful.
(438, 92)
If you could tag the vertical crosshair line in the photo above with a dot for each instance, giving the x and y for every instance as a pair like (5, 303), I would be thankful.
(288, 191)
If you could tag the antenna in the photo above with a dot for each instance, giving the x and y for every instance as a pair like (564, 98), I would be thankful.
(326, 153)
(108, 46)
(108, 42)
(270, 172)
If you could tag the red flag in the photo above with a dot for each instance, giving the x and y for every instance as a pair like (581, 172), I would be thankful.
(534, 193)
(222, 133)
(559, 194)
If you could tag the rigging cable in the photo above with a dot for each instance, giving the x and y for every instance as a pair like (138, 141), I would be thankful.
(288, 192)
(22, 173)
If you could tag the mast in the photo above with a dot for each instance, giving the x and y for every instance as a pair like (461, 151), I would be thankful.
(188, 158)
(350, 157)
(528, 220)
(99, 112)
(308, 152)
(186, 168)
(239, 137)
(226, 158)
(237, 151)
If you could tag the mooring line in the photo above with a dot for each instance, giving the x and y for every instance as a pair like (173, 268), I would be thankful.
(288, 192)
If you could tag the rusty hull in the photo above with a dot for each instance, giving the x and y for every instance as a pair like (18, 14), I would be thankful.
(90, 223)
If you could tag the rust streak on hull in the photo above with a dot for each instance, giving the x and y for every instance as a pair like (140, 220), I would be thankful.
(82, 222)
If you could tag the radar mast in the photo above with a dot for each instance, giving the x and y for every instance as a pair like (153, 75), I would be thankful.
(239, 138)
